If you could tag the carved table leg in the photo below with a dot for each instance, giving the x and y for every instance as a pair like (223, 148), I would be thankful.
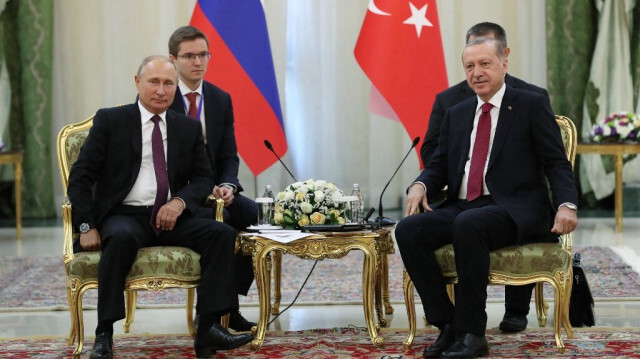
(263, 282)
(368, 283)
(277, 276)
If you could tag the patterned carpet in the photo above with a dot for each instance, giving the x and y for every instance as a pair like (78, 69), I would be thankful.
(37, 283)
(348, 343)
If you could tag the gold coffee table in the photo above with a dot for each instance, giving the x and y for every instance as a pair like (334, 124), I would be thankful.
(320, 246)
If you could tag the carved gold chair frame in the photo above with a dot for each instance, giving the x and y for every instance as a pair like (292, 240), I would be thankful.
(154, 269)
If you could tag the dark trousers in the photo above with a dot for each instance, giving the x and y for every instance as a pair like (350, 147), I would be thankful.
(474, 228)
(240, 214)
(127, 229)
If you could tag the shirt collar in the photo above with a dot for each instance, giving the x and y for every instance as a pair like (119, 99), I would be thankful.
(184, 89)
(145, 115)
(496, 100)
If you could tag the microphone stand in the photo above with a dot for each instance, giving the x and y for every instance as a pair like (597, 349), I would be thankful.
(270, 147)
(383, 221)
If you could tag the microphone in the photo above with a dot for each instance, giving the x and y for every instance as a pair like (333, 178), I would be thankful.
(382, 220)
(268, 144)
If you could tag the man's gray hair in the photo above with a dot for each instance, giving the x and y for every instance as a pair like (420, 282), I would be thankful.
(148, 59)
(499, 46)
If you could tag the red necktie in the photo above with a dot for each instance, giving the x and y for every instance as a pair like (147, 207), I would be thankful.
(193, 109)
(479, 154)
(160, 167)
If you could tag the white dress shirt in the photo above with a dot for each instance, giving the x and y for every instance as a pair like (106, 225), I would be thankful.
(143, 192)
(496, 101)
(184, 90)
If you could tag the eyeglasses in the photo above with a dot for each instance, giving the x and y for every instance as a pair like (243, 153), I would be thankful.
(191, 56)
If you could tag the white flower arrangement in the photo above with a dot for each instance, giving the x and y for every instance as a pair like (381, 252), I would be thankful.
(309, 202)
(618, 127)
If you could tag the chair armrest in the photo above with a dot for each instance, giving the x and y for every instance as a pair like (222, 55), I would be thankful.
(217, 204)
(67, 230)
(566, 240)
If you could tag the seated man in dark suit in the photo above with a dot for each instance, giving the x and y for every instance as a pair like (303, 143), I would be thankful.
(212, 107)
(496, 152)
(517, 298)
(140, 175)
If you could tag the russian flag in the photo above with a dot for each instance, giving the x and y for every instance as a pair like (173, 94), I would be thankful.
(241, 64)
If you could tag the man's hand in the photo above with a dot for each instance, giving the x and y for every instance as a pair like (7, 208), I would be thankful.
(225, 193)
(566, 221)
(90, 241)
(168, 214)
(415, 199)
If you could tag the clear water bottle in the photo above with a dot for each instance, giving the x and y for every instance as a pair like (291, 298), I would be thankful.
(357, 215)
(267, 206)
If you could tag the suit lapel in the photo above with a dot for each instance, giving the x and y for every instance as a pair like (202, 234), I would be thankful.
(467, 123)
(133, 120)
(505, 122)
(135, 129)
(173, 143)
(463, 142)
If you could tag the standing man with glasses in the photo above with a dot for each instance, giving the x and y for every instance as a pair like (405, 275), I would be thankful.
(199, 99)
(139, 178)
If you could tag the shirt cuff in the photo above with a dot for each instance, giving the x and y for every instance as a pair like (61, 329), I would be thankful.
(184, 204)
(569, 205)
(231, 186)
(418, 182)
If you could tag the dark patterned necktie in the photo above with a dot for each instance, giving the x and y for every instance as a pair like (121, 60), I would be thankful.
(160, 167)
(193, 109)
(479, 154)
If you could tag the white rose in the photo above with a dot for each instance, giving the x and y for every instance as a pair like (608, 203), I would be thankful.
(306, 207)
(624, 131)
(288, 196)
(336, 196)
(320, 183)
(319, 196)
(606, 131)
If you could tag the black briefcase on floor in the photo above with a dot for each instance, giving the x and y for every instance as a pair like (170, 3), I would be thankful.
(581, 304)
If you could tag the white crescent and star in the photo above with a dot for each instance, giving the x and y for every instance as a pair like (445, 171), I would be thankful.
(418, 17)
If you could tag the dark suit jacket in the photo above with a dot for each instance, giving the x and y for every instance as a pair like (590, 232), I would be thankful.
(527, 150)
(221, 139)
(109, 163)
(451, 96)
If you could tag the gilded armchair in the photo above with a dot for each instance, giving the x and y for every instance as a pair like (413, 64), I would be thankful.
(520, 265)
(154, 269)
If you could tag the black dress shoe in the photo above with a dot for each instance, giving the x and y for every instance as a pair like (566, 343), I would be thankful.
(217, 338)
(467, 346)
(238, 323)
(513, 323)
(103, 346)
(444, 341)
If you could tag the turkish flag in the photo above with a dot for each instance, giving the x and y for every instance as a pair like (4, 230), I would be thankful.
(400, 50)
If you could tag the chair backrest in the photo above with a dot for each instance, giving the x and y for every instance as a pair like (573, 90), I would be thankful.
(570, 140)
(569, 137)
(70, 140)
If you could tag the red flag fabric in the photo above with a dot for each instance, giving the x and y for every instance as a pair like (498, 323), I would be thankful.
(400, 50)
